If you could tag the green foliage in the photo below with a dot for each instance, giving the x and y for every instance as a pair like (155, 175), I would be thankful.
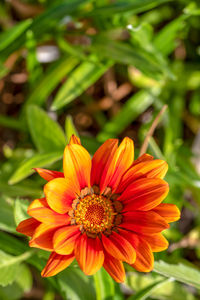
(106, 70)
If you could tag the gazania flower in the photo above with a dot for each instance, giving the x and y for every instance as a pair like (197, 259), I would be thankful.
(101, 212)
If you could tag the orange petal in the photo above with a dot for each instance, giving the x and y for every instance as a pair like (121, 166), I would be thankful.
(40, 210)
(77, 166)
(28, 226)
(56, 263)
(101, 162)
(169, 212)
(60, 194)
(144, 222)
(114, 267)
(149, 169)
(144, 194)
(142, 158)
(43, 237)
(157, 242)
(48, 174)
(64, 239)
(74, 140)
(117, 246)
(144, 256)
(89, 254)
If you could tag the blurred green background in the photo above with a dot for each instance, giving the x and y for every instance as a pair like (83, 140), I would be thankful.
(99, 69)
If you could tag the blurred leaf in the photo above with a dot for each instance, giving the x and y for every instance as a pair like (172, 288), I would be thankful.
(3, 70)
(26, 188)
(74, 284)
(146, 292)
(25, 280)
(47, 134)
(10, 36)
(134, 7)
(38, 160)
(9, 266)
(165, 40)
(10, 122)
(86, 74)
(104, 286)
(51, 79)
(133, 107)
(180, 272)
(6, 215)
(70, 128)
(20, 210)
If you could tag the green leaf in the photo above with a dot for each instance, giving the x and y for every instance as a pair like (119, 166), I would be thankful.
(10, 36)
(134, 7)
(104, 285)
(129, 54)
(70, 128)
(9, 266)
(20, 210)
(38, 160)
(86, 74)
(74, 284)
(180, 272)
(6, 215)
(25, 280)
(149, 290)
(129, 112)
(51, 79)
(47, 134)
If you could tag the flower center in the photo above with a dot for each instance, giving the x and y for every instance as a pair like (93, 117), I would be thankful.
(95, 213)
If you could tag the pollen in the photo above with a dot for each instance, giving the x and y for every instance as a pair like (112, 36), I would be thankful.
(95, 214)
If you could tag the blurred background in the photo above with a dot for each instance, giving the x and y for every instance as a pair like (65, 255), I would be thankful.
(101, 69)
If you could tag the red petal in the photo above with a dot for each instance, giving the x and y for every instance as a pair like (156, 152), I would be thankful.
(64, 239)
(169, 212)
(43, 237)
(40, 210)
(117, 246)
(56, 263)
(28, 226)
(77, 166)
(144, 222)
(144, 256)
(101, 162)
(149, 169)
(157, 242)
(48, 174)
(60, 194)
(114, 267)
(144, 194)
(89, 254)
(142, 158)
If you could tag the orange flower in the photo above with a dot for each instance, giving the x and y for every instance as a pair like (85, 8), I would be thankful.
(102, 211)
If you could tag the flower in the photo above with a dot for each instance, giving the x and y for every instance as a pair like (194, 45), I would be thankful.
(101, 212)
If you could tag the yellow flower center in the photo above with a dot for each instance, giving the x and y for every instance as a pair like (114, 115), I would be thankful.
(95, 213)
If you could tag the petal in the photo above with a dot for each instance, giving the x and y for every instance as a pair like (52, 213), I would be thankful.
(157, 242)
(89, 254)
(101, 162)
(43, 237)
(149, 169)
(144, 256)
(77, 166)
(169, 212)
(144, 194)
(40, 210)
(114, 267)
(48, 174)
(64, 239)
(60, 194)
(56, 263)
(117, 246)
(142, 158)
(74, 140)
(122, 160)
(144, 222)
(28, 226)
